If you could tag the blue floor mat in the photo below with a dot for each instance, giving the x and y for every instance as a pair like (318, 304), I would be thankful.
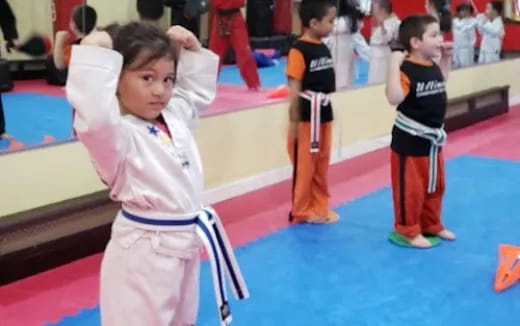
(349, 274)
(275, 75)
(29, 117)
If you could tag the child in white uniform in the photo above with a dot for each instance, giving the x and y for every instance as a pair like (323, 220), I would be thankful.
(464, 36)
(135, 106)
(491, 27)
(345, 41)
(383, 33)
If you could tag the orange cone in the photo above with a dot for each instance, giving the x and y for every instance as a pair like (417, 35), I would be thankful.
(508, 270)
(281, 91)
(14, 144)
(48, 139)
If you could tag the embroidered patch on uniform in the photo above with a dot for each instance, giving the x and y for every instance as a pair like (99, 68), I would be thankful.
(154, 131)
(165, 139)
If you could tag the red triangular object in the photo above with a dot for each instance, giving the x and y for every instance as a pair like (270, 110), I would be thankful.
(508, 270)
(281, 91)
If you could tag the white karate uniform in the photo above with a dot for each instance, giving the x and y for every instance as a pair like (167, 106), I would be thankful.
(344, 45)
(150, 273)
(492, 35)
(464, 39)
(380, 50)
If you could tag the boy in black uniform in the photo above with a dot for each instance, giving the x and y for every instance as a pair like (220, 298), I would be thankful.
(8, 26)
(311, 78)
(417, 85)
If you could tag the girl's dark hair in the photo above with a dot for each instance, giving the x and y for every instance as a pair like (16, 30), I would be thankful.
(442, 7)
(141, 43)
(347, 8)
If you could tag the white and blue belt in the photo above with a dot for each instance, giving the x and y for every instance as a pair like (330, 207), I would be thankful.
(317, 100)
(437, 137)
(210, 230)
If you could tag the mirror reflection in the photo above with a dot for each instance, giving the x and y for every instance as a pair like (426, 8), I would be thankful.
(251, 37)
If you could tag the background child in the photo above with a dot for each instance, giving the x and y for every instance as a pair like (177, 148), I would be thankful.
(310, 71)
(440, 9)
(416, 84)
(464, 36)
(83, 21)
(491, 27)
(135, 126)
(228, 29)
(386, 29)
(345, 41)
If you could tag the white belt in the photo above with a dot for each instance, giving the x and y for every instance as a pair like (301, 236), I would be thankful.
(317, 101)
(437, 137)
(210, 230)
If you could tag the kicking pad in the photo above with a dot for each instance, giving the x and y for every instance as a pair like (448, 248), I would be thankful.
(399, 240)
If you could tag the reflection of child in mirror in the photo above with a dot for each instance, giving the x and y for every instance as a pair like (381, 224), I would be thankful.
(82, 22)
(491, 27)
(464, 36)
(385, 30)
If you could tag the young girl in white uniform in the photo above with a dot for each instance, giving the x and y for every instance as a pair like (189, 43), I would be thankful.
(491, 27)
(384, 32)
(135, 104)
(464, 36)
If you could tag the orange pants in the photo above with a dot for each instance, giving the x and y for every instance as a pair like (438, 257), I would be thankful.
(415, 210)
(310, 193)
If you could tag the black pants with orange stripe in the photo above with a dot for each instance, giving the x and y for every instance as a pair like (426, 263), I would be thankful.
(416, 211)
(310, 187)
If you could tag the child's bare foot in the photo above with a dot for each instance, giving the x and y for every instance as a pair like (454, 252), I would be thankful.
(418, 241)
(6, 136)
(447, 235)
(330, 218)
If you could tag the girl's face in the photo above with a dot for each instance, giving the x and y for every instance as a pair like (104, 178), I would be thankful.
(145, 91)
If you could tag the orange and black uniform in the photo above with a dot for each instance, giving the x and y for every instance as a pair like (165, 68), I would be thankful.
(416, 209)
(310, 62)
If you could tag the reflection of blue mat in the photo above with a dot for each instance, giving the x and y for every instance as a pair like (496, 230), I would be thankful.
(29, 117)
(348, 274)
(275, 75)
(32, 116)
